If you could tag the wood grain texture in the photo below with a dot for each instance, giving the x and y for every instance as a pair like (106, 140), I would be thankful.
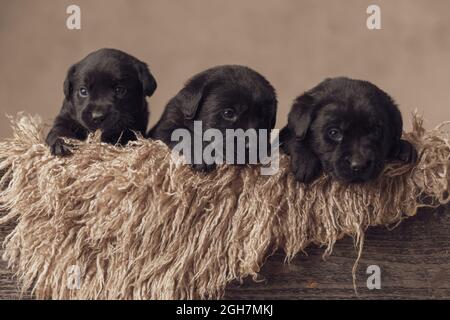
(414, 259)
(9, 288)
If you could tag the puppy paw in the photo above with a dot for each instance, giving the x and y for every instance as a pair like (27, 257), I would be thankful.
(406, 152)
(305, 169)
(60, 148)
(203, 167)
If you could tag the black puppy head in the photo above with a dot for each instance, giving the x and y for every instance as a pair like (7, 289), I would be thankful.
(350, 125)
(107, 89)
(229, 97)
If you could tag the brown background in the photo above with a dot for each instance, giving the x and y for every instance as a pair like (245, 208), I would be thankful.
(294, 43)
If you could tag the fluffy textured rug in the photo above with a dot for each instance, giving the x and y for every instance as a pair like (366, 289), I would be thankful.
(132, 223)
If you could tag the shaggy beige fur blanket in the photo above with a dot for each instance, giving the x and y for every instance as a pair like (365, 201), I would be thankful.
(131, 223)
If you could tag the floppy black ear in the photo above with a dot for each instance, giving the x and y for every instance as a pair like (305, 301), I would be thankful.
(302, 112)
(274, 121)
(395, 122)
(394, 115)
(148, 81)
(301, 115)
(68, 87)
(190, 99)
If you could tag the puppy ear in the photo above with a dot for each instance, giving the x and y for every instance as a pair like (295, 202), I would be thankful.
(190, 99)
(68, 87)
(274, 121)
(395, 116)
(300, 116)
(395, 122)
(148, 81)
(302, 112)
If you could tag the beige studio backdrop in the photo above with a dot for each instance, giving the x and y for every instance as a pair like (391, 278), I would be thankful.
(294, 43)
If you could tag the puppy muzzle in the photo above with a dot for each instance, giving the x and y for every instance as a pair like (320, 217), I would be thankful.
(355, 168)
(95, 115)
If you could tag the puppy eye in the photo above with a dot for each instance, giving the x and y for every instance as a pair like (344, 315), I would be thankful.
(229, 114)
(83, 92)
(120, 91)
(335, 134)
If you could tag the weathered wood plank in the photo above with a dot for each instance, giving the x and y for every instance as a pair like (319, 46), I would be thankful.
(9, 288)
(414, 259)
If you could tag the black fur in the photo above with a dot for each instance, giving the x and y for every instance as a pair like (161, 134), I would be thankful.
(208, 94)
(346, 127)
(117, 85)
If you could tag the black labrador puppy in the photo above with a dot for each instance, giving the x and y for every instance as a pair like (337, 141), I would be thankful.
(346, 127)
(106, 90)
(223, 97)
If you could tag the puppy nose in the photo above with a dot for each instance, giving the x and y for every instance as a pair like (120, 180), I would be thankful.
(98, 116)
(357, 166)
(357, 163)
